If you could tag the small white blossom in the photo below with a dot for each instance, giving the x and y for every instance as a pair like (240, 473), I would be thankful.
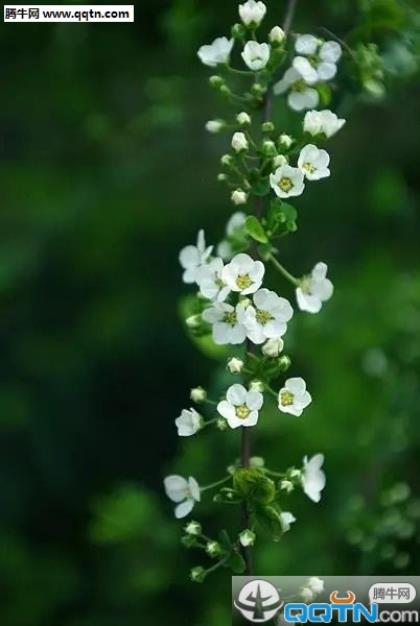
(235, 223)
(227, 323)
(300, 96)
(326, 122)
(241, 406)
(287, 181)
(193, 528)
(315, 584)
(256, 55)
(198, 394)
(247, 538)
(243, 274)
(217, 52)
(273, 347)
(239, 142)
(239, 196)
(214, 126)
(192, 258)
(286, 519)
(268, 317)
(314, 162)
(243, 119)
(235, 365)
(313, 477)
(252, 12)
(276, 35)
(307, 594)
(188, 423)
(210, 281)
(322, 64)
(294, 398)
(314, 289)
(182, 491)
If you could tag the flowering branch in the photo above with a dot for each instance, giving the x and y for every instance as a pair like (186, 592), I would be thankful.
(232, 309)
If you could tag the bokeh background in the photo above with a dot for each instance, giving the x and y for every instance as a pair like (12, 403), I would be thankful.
(106, 172)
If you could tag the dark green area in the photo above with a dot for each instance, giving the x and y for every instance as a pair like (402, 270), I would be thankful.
(105, 173)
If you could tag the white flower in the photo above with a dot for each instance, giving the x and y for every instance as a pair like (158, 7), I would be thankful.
(307, 594)
(273, 347)
(227, 322)
(235, 365)
(241, 406)
(314, 162)
(287, 181)
(198, 394)
(188, 423)
(182, 491)
(268, 317)
(330, 51)
(300, 96)
(193, 257)
(209, 280)
(326, 122)
(313, 479)
(294, 398)
(286, 519)
(239, 197)
(243, 119)
(314, 289)
(256, 55)
(276, 35)
(307, 44)
(239, 142)
(322, 64)
(214, 126)
(247, 538)
(315, 584)
(217, 52)
(252, 12)
(243, 274)
(235, 223)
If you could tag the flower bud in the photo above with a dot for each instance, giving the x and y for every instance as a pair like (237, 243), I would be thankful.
(235, 365)
(279, 160)
(252, 13)
(276, 36)
(243, 119)
(221, 424)
(198, 574)
(247, 538)
(239, 142)
(193, 321)
(267, 127)
(221, 178)
(238, 31)
(258, 90)
(256, 461)
(213, 549)
(287, 486)
(216, 81)
(269, 148)
(226, 160)
(224, 89)
(284, 363)
(198, 394)
(256, 385)
(193, 528)
(215, 126)
(273, 347)
(295, 473)
(239, 197)
(285, 140)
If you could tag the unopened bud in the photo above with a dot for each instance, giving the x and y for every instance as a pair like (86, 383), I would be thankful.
(258, 90)
(256, 385)
(213, 548)
(198, 394)
(279, 160)
(269, 148)
(239, 142)
(221, 178)
(273, 347)
(193, 528)
(193, 321)
(284, 363)
(239, 197)
(287, 486)
(276, 36)
(256, 461)
(226, 160)
(247, 538)
(198, 574)
(238, 31)
(285, 140)
(221, 424)
(235, 365)
(243, 119)
(215, 126)
(216, 81)
(267, 127)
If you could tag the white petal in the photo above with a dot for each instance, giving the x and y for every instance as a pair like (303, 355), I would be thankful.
(176, 487)
(330, 51)
(236, 394)
(254, 400)
(194, 488)
(226, 409)
(305, 69)
(306, 44)
(295, 385)
(307, 302)
(327, 71)
(184, 509)
(189, 257)
(251, 420)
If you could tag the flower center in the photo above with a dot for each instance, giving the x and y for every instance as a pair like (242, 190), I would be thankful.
(243, 281)
(308, 167)
(263, 317)
(299, 85)
(305, 285)
(285, 183)
(230, 318)
(286, 398)
(242, 411)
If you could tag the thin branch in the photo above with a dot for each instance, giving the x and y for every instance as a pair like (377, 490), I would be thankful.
(290, 13)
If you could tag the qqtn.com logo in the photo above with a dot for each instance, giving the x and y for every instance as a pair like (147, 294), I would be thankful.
(259, 601)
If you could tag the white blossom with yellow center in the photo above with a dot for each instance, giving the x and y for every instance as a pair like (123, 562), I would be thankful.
(243, 274)
(314, 162)
(268, 317)
(241, 406)
(294, 397)
(287, 181)
(192, 259)
(210, 281)
(227, 323)
(300, 96)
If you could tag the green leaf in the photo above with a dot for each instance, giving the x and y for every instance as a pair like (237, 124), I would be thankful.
(268, 518)
(324, 93)
(254, 228)
(236, 562)
(253, 485)
(282, 215)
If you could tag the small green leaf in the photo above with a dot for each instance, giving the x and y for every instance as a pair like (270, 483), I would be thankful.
(236, 562)
(268, 518)
(254, 228)
(282, 215)
(253, 485)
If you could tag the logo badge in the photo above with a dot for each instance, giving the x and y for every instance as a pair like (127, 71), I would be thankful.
(258, 601)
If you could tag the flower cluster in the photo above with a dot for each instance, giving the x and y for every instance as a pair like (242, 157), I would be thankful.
(235, 305)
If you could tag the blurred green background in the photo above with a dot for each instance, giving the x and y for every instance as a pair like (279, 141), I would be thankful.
(106, 172)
